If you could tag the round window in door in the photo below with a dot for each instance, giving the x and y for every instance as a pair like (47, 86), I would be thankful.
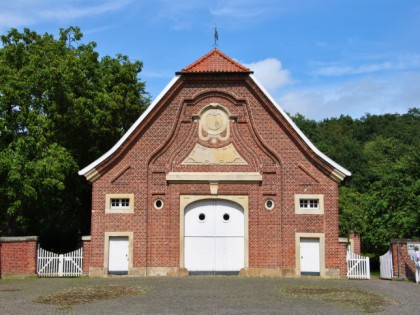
(216, 244)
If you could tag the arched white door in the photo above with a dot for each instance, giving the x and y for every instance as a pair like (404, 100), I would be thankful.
(214, 237)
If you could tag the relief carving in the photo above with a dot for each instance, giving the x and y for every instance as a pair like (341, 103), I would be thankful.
(214, 124)
(225, 155)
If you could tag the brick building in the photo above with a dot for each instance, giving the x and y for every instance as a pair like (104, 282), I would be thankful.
(214, 177)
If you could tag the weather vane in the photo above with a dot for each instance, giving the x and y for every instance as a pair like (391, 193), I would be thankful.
(216, 35)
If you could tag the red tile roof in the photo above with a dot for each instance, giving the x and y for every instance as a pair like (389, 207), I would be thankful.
(215, 61)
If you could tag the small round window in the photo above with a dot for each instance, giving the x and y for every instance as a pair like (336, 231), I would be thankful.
(201, 217)
(269, 204)
(226, 217)
(158, 204)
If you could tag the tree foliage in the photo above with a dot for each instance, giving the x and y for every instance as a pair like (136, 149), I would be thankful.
(381, 200)
(61, 106)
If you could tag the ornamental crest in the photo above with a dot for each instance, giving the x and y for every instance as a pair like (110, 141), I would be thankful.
(214, 124)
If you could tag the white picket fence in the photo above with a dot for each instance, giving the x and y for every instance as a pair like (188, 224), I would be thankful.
(386, 265)
(358, 267)
(50, 264)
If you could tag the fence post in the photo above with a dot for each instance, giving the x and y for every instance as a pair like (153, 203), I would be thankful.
(60, 265)
(368, 267)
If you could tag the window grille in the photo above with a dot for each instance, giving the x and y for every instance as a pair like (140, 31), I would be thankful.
(120, 203)
(309, 203)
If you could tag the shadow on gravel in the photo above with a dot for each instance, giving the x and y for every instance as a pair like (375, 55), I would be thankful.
(89, 294)
(357, 299)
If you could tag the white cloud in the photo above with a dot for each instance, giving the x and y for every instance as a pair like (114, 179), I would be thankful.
(404, 62)
(70, 11)
(187, 14)
(24, 12)
(236, 11)
(270, 73)
(346, 70)
(355, 98)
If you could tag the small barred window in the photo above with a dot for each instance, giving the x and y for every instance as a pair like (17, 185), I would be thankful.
(309, 203)
(120, 202)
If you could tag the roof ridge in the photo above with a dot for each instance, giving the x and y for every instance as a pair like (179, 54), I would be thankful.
(215, 61)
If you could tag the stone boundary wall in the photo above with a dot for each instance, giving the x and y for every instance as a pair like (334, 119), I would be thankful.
(86, 254)
(403, 266)
(18, 256)
(356, 243)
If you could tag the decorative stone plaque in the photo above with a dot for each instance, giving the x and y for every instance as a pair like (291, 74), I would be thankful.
(225, 155)
(214, 124)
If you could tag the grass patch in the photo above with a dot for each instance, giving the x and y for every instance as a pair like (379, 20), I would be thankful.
(89, 294)
(18, 278)
(356, 298)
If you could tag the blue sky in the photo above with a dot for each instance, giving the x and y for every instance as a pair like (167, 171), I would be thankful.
(321, 58)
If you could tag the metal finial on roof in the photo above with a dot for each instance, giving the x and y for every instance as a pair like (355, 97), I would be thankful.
(216, 35)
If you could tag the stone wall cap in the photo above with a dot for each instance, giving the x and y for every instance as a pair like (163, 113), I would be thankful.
(13, 239)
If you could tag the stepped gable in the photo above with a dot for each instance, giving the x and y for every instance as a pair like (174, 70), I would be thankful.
(215, 61)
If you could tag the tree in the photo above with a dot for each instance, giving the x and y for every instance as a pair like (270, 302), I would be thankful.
(60, 108)
(393, 199)
(380, 201)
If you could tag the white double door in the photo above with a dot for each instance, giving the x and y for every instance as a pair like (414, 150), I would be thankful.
(214, 236)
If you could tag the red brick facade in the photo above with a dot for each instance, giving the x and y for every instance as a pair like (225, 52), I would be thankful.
(261, 135)
(18, 256)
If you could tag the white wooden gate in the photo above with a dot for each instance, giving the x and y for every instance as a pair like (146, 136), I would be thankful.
(358, 267)
(50, 264)
(386, 265)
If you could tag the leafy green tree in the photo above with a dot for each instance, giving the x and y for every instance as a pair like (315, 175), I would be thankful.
(380, 201)
(394, 195)
(352, 211)
(61, 106)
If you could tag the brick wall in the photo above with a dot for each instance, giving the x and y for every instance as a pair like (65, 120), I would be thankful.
(260, 135)
(403, 266)
(86, 254)
(18, 256)
(356, 242)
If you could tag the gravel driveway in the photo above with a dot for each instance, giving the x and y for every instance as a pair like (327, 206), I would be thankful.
(204, 295)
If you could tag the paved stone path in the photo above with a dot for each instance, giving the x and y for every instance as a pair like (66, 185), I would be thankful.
(203, 295)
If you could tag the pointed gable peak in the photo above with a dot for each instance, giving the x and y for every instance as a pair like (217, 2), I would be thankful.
(215, 61)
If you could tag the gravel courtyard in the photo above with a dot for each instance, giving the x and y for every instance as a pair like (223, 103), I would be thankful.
(206, 295)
